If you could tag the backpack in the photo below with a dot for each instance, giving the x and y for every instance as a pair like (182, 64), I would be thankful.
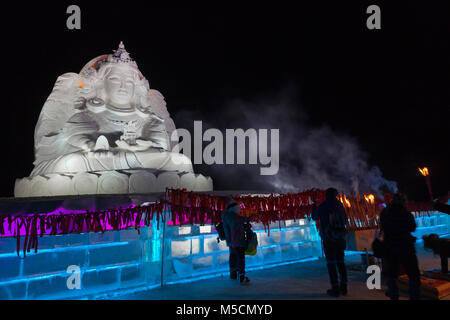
(337, 227)
(221, 231)
(251, 239)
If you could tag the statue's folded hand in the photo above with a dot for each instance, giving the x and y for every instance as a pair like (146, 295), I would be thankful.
(88, 145)
(144, 143)
(99, 154)
(141, 145)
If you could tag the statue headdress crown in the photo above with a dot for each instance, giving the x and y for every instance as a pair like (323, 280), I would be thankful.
(120, 55)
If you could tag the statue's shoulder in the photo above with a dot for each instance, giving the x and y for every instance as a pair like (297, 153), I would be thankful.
(154, 121)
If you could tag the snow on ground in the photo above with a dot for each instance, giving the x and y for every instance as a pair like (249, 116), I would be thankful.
(305, 280)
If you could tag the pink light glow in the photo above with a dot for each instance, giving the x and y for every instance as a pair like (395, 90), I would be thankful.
(61, 211)
(105, 224)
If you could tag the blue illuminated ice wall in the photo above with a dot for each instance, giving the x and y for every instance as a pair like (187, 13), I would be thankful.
(120, 262)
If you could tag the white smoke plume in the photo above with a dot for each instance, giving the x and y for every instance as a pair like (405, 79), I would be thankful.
(310, 157)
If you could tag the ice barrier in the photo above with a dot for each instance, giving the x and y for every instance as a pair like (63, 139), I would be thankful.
(119, 262)
(123, 261)
(437, 222)
(193, 251)
(115, 260)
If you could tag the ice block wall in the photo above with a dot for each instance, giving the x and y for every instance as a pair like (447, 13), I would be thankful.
(437, 222)
(123, 261)
(193, 251)
(119, 262)
(109, 262)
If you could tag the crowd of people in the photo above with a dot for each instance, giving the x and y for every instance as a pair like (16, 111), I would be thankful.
(396, 222)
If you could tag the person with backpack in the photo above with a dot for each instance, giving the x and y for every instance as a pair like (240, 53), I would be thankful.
(235, 235)
(332, 228)
(397, 223)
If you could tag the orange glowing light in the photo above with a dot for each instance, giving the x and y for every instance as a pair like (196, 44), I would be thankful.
(348, 202)
(344, 200)
(370, 198)
(424, 171)
(80, 83)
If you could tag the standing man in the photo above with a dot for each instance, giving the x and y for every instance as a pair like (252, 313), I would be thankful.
(233, 225)
(397, 223)
(333, 220)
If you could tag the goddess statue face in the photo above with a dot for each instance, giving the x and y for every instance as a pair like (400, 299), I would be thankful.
(120, 84)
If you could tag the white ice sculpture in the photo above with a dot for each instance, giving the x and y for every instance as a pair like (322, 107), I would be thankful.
(105, 131)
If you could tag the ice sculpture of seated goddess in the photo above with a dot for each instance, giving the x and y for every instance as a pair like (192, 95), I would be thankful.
(109, 120)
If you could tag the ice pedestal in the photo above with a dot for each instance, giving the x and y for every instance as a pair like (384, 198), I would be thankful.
(110, 182)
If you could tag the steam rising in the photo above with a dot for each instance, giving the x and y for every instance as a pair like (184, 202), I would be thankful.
(310, 157)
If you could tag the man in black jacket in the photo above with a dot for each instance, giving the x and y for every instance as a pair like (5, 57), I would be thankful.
(332, 218)
(397, 223)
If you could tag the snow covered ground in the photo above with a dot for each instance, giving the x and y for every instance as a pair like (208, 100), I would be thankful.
(305, 280)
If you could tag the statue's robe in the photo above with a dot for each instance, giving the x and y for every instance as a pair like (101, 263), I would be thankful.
(63, 152)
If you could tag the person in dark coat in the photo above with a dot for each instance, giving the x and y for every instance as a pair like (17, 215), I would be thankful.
(332, 223)
(397, 223)
(233, 225)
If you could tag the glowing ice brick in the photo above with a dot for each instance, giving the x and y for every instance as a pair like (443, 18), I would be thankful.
(195, 246)
(7, 245)
(132, 274)
(265, 240)
(223, 246)
(132, 235)
(316, 248)
(183, 267)
(180, 248)
(205, 229)
(100, 277)
(289, 223)
(307, 234)
(289, 251)
(152, 272)
(10, 267)
(295, 235)
(271, 254)
(305, 250)
(256, 260)
(202, 262)
(58, 260)
(184, 230)
(120, 253)
(63, 241)
(222, 259)
(13, 291)
(95, 238)
(210, 244)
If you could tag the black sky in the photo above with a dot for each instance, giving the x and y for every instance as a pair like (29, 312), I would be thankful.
(388, 88)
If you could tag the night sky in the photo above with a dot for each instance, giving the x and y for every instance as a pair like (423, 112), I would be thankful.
(387, 88)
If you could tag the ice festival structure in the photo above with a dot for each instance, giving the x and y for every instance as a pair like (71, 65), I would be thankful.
(108, 208)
